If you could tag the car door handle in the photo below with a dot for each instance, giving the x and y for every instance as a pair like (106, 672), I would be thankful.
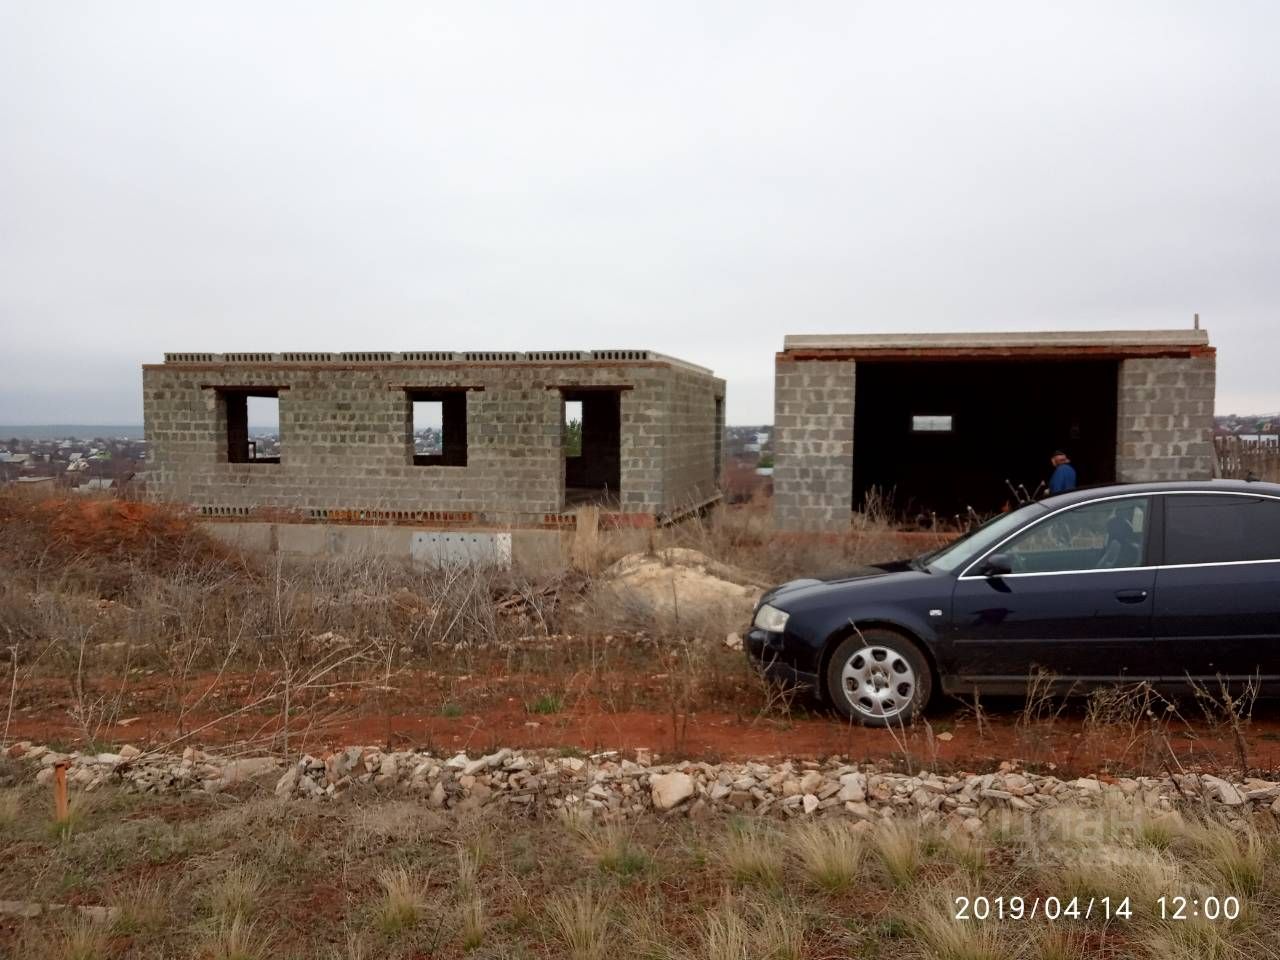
(1131, 596)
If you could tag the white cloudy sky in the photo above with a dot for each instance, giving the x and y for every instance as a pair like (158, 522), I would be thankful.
(697, 178)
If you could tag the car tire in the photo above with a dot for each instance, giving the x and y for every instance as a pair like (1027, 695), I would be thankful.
(879, 677)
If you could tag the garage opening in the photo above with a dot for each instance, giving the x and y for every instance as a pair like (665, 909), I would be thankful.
(592, 445)
(939, 437)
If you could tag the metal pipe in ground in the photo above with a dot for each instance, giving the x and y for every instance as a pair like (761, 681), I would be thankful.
(61, 808)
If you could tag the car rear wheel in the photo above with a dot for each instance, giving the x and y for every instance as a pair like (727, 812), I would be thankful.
(879, 677)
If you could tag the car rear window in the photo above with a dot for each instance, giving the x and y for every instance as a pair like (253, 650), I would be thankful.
(1221, 529)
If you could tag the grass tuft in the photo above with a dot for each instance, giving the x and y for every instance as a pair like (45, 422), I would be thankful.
(236, 893)
(10, 810)
(830, 852)
(401, 905)
(899, 848)
(582, 923)
(140, 906)
(945, 938)
(236, 939)
(548, 703)
(751, 853)
(613, 849)
(1237, 859)
(473, 922)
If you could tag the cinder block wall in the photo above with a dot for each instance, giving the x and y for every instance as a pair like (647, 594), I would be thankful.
(691, 430)
(1164, 427)
(813, 444)
(346, 437)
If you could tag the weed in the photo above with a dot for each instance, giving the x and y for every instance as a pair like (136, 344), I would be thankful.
(79, 814)
(546, 704)
(450, 710)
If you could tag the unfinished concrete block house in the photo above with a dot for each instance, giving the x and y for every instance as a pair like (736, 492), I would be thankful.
(505, 457)
(939, 422)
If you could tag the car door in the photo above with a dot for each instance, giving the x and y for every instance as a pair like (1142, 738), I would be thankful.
(1077, 602)
(1218, 586)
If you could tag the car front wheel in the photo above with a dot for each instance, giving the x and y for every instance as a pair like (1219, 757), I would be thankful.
(879, 677)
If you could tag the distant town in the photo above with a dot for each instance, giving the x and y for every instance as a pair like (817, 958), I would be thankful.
(100, 458)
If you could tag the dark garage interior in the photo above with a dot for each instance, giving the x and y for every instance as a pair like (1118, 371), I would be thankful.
(943, 435)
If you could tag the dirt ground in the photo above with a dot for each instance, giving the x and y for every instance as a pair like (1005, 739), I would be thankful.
(586, 713)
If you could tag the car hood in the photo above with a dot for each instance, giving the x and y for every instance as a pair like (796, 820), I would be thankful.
(795, 592)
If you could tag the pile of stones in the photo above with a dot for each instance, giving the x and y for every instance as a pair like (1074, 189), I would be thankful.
(608, 785)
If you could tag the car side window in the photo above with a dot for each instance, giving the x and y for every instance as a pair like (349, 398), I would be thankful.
(1221, 529)
(1098, 536)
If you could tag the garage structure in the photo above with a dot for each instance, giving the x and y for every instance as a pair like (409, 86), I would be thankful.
(937, 423)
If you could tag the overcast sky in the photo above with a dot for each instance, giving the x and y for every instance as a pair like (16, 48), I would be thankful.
(695, 178)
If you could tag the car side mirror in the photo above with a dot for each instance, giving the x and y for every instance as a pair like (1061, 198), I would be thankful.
(997, 565)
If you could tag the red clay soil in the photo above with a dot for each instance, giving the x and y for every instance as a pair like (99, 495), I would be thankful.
(497, 714)
(107, 528)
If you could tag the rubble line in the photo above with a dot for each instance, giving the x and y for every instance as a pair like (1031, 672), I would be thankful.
(608, 785)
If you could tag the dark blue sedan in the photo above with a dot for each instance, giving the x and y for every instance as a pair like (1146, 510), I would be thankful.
(1162, 582)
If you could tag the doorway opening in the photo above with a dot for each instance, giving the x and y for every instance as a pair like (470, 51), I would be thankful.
(591, 443)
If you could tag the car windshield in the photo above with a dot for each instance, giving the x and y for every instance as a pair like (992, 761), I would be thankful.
(954, 555)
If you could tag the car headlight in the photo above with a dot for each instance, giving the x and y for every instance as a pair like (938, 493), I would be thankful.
(771, 619)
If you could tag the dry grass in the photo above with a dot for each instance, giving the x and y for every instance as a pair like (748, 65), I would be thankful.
(140, 905)
(612, 846)
(944, 938)
(829, 852)
(967, 852)
(472, 922)
(1142, 875)
(899, 847)
(744, 931)
(752, 852)
(10, 810)
(1234, 859)
(521, 888)
(236, 892)
(236, 938)
(401, 905)
(71, 938)
(726, 935)
(581, 922)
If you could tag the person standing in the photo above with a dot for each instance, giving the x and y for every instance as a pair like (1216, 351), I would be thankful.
(1064, 474)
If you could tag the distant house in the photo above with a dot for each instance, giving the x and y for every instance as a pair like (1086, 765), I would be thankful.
(35, 486)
